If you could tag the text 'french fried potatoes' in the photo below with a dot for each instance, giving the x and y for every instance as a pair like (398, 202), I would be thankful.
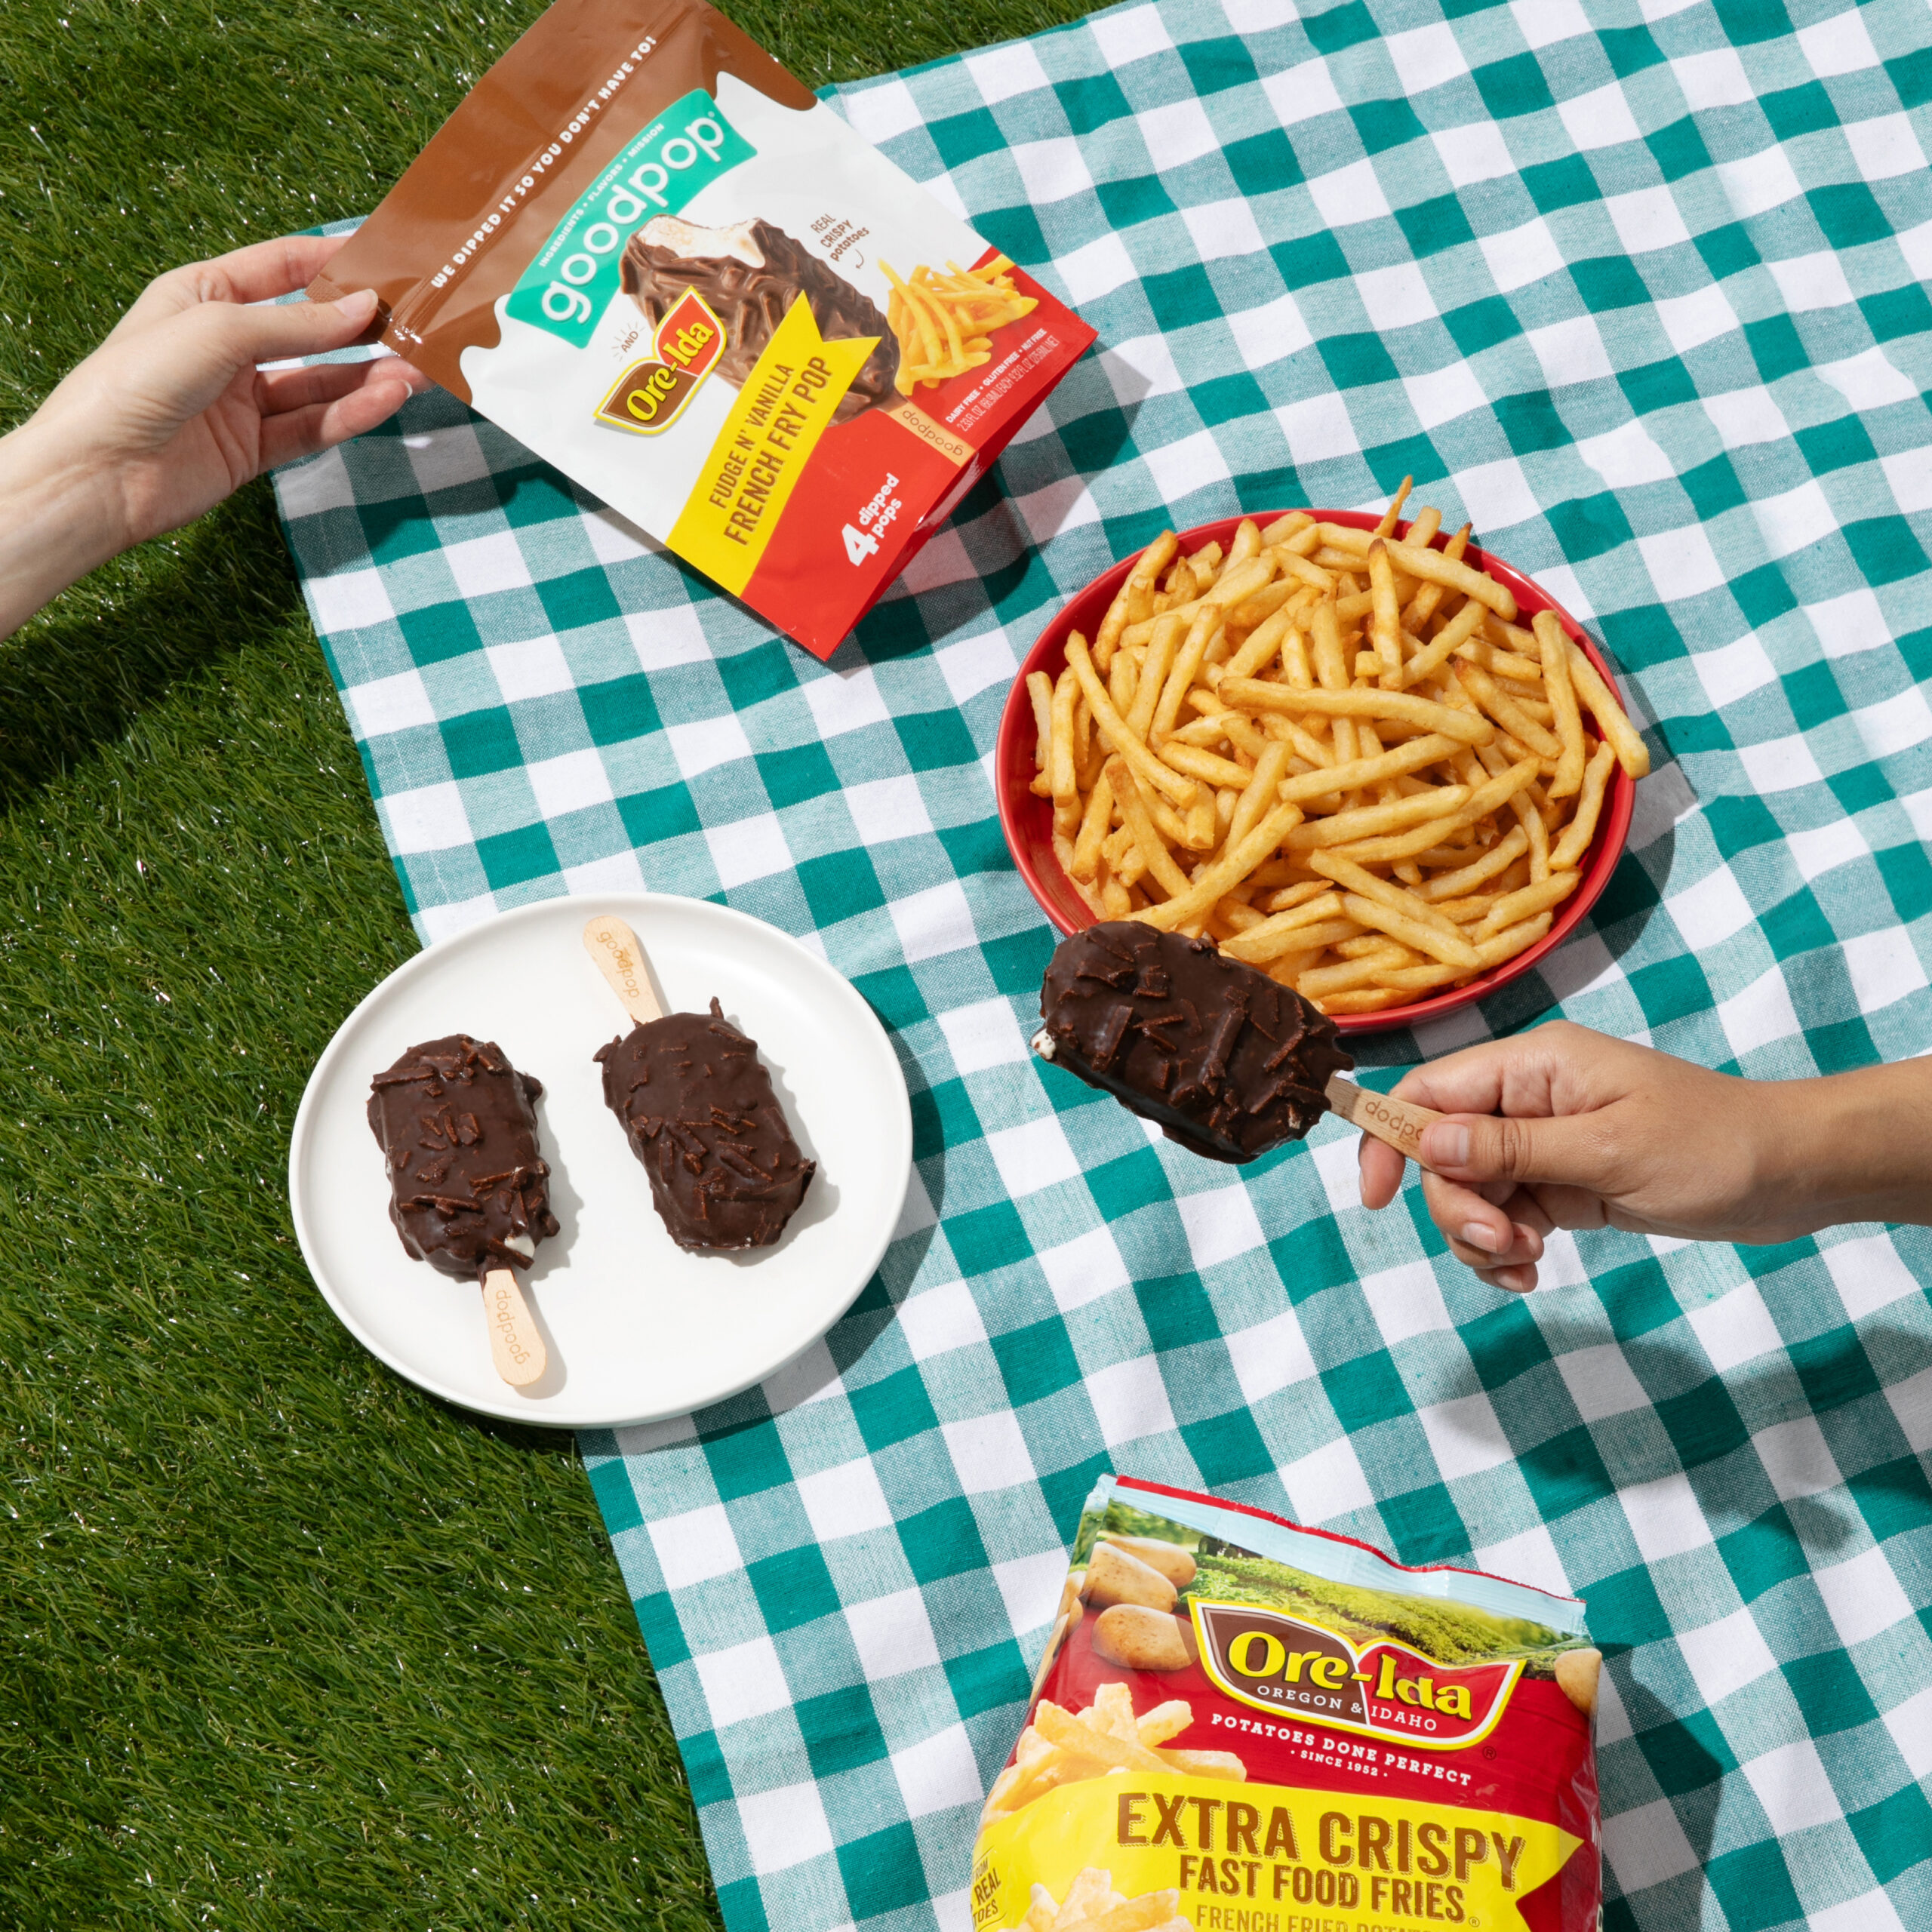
(1334, 752)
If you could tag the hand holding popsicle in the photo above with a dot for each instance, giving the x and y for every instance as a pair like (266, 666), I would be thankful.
(1563, 1128)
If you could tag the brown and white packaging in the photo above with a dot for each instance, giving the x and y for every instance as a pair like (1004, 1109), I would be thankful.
(645, 250)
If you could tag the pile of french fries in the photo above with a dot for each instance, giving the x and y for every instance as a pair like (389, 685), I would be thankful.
(1333, 750)
(1094, 1905)
(944, 323)
(1063, 1747)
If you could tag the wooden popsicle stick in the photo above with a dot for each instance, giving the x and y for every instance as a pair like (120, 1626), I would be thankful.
(620, 959)
(1399, 1123)
(515, 1346)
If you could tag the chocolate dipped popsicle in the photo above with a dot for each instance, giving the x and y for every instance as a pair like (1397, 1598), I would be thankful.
(1229, 1063)
(469, 1190)
(751, 273)
(698, 1106)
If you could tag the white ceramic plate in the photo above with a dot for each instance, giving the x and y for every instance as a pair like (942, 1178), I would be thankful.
(637, 1328)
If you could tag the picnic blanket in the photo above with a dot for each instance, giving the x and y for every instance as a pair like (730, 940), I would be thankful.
(1637, 290)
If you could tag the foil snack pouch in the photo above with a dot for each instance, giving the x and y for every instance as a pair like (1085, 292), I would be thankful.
(1241, 1725)
(644, 249)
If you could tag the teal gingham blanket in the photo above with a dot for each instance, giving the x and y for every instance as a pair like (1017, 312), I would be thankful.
(1639, 290)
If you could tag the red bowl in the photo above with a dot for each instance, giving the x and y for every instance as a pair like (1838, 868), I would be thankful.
(1028, 820)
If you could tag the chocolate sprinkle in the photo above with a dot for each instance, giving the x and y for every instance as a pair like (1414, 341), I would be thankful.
(1229, 1063)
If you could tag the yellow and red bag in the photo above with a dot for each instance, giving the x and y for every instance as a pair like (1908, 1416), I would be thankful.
(1242, 1725)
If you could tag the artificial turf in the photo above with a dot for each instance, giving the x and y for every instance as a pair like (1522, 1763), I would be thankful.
(283, 1641)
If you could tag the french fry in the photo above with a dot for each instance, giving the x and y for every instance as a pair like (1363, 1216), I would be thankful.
(1234, 865)
(1261, 790)
(1568, 850)
(1198, 764)
(1392, 515)
(1061, 764)
(1465, 727)
(1367, 999)
(1507, 712)
(1413, 756)
(1206, 627)
(1113, 729)
(1385, 622)
(1433, 567)
(1040, 689)
(1561, 694)
(1083, 1740)
(1235, 586)
(1632, 752)
(1148, 841)
(1284, 933)
(1499, 858)
(1366, 821)
(1094, 824)
(1151, 679)
(1538, 897)
(1452, 950)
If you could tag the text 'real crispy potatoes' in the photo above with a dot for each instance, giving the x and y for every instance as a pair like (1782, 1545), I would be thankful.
(1338, 755)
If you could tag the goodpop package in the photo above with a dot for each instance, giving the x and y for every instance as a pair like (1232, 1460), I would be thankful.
(1243, 1726)
(646, 251)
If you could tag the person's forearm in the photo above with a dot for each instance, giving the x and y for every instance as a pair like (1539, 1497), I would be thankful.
(1852, 1146)
(54, 524)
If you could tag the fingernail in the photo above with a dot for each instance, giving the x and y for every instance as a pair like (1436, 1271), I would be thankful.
(1514, 1281)
(1445, 1145)
(361, 304)
(1480, 1234)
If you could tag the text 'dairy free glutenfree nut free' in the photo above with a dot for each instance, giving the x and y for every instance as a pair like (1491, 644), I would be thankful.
(644, 249)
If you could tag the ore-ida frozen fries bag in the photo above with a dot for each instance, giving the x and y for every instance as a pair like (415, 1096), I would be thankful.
(1240, 1725)
(649, 253)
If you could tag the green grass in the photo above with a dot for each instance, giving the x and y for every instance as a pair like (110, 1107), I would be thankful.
(283, 1641)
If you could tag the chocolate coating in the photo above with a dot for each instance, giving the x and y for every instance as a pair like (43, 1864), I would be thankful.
(454, 1121)
(1229, 1062)
(697, 1103)
(752, 301)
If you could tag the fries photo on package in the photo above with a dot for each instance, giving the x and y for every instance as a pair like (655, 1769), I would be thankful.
(1342, 755)
(1241, 1725)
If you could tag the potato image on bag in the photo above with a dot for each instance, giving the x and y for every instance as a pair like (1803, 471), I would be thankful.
(1175, 1563)
(1577, 1674)
(1069, 1595)
(1138, 1638)
(1114, 1576)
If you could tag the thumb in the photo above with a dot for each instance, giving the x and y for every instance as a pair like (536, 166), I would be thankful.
(185, 362)
(1476, 1148)
(271, 332)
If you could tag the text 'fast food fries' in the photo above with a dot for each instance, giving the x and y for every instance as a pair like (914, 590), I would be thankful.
(1063, 1747)
(1337, 754)
(944, 323)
